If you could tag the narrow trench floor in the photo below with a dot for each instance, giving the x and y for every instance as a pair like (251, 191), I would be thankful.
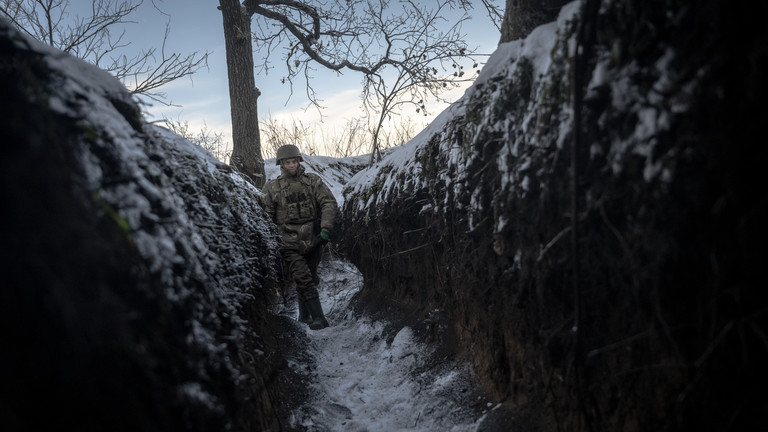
(362, 374)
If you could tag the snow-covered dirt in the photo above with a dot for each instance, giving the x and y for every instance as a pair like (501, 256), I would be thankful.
(370, 375)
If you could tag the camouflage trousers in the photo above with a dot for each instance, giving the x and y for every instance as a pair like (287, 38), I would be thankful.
(302, 269)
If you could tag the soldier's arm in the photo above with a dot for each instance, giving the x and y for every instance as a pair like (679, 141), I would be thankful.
(268, 202)
(328, 206)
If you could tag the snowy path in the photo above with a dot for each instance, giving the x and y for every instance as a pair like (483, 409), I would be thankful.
(367, 379)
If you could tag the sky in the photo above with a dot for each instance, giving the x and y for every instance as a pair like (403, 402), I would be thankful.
(203, 99)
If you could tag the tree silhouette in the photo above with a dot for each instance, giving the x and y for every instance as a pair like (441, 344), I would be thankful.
(91, 38)
(406, 52)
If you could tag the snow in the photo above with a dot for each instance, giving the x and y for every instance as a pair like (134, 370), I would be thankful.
(335, 172)
(367, 380)
(363, 378)
(548, 52)
(536, 47)
(195, 393)
(152, 184)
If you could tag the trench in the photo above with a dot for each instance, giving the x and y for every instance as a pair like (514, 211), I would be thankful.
(378, 373)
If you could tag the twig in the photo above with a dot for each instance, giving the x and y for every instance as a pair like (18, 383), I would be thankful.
(618, 344)
(701, 360)
(552, 242)
(408, 250)
(414, 230)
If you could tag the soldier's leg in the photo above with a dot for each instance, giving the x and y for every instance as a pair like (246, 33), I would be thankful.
(301, 274)
(318, 318)
(305, 286)
(289, 294)
(313, 260)
(292, 266)
(304, 315)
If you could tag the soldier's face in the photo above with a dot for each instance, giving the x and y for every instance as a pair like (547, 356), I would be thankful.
(291, 165)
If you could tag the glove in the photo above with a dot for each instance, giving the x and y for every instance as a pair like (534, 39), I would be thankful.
(323, 237)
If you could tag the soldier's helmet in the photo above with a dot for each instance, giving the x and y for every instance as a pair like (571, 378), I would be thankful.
(288, 151)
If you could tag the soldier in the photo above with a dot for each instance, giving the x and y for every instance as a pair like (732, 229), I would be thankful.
(304, 210)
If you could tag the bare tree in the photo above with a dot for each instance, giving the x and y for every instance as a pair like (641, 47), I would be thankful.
(243, 94)
(277, 134)
(352, 140)
(495, 12)
(404, 50)
(426, 64)
(98, 38)
(208, 139)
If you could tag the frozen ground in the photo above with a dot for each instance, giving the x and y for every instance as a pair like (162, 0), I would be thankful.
(365, 376)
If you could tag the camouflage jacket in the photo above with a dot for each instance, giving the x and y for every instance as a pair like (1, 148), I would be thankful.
(301, 206)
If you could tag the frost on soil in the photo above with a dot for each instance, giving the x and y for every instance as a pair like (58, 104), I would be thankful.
(365, 376)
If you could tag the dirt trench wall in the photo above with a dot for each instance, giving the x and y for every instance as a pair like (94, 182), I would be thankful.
(660, 323)
(135, 272)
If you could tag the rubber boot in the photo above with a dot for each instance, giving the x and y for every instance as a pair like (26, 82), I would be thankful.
(304, 315)
(318, 318)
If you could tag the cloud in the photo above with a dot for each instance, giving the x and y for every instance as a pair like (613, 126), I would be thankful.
(339, 108)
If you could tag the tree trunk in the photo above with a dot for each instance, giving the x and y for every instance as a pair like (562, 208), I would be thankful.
(243, 94)
(522, 16)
